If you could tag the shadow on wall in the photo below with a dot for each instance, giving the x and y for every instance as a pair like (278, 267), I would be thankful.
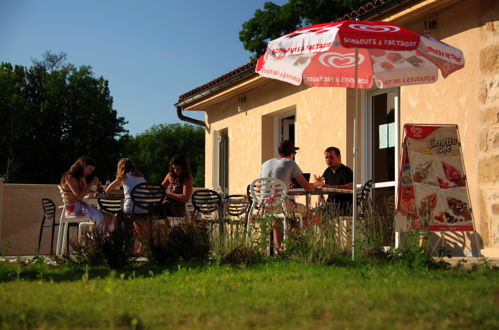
(456, 243)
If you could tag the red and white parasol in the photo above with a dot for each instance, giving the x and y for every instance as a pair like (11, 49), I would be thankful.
(358, 54)
(389, 55)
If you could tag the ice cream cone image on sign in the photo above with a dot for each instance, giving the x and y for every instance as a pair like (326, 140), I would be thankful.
(439, 180)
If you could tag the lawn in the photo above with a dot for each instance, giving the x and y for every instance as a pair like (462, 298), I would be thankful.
(276, 294)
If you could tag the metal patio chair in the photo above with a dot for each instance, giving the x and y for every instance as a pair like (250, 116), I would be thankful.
(267, 193)
(49, 210)
(364, 203)
(149, 197)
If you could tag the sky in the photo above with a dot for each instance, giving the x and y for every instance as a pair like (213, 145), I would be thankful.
(150, 51)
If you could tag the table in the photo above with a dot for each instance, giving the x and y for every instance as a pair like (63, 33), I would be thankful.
(114, 196)
(317, 191)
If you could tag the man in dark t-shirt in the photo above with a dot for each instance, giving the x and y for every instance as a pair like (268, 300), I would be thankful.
(340, 176)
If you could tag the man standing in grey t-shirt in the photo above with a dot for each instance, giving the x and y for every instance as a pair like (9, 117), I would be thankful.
(284, 168)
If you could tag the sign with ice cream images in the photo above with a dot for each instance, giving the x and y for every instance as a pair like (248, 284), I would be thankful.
(432, 186)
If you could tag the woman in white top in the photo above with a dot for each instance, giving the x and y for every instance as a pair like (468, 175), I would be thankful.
(128, 177)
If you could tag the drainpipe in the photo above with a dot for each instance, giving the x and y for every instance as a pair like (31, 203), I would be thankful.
(189, 119)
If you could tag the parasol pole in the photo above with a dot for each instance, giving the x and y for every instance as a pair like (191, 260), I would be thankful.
(354, 183)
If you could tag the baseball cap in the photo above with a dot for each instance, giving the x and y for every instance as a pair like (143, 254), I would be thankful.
(286, 148)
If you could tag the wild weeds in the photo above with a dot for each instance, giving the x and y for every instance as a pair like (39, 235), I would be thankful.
(234, 248)
(165, 243)
(99, 247)
(321, 239)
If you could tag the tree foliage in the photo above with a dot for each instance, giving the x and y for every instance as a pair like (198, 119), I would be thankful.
(51, 114)
(274, 20)
(153, 149)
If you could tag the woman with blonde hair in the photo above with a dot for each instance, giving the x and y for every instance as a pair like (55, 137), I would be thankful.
(76, 188)
(127, 176)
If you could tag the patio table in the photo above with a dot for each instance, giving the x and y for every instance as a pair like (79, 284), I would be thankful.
(104, 196)
(317, 191)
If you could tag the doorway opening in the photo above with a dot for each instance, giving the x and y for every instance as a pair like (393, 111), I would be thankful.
(221, 161)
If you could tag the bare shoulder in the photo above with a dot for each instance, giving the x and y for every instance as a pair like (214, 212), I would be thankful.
(167, 180)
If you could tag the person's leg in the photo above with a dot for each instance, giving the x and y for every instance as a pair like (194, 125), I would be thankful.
(277, 232)
(297, 212)
(139, 228)
(109, 221)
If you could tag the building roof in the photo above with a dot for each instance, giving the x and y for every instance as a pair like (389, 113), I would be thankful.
(236, 72)
(370, 10)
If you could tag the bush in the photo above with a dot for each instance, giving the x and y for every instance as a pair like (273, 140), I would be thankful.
(98, 247)
(164, 243)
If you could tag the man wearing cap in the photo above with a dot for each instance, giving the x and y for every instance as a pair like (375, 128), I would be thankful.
(339, 176)
(285, 168)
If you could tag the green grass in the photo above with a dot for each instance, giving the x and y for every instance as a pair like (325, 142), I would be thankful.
(278, 294)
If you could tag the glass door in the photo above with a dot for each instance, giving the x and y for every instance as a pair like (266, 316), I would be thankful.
(382, 145)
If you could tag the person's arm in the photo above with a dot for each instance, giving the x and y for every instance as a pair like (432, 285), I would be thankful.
(348, 180)
(340, 186)
(166, 181)
(307, 185)
(345, 186)
(113, 185)
(186, 192)
(73, 185)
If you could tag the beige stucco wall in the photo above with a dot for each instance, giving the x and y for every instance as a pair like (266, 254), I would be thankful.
(21, 214)
(249, 147)
(473, 27)
(468, 98)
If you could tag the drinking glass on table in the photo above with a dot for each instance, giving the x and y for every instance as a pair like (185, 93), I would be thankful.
(100, 188)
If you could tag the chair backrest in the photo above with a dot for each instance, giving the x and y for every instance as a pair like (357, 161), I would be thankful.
(63, 196)
(236, 205)
(148, 196)
(390, 204)
(206, 201)
(48, 208)
(268, 191)
(112, 206)
(363, 196)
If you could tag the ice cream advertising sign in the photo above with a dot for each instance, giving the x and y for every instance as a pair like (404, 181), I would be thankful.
(432, 187)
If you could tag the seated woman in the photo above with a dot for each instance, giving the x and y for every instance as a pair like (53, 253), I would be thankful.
(178, 186)
(75, 188)
(127, 176)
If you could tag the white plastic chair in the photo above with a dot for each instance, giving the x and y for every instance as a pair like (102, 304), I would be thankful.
(64, 223)
(265, 193)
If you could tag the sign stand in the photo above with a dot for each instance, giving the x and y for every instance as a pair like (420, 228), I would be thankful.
(433, 192)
